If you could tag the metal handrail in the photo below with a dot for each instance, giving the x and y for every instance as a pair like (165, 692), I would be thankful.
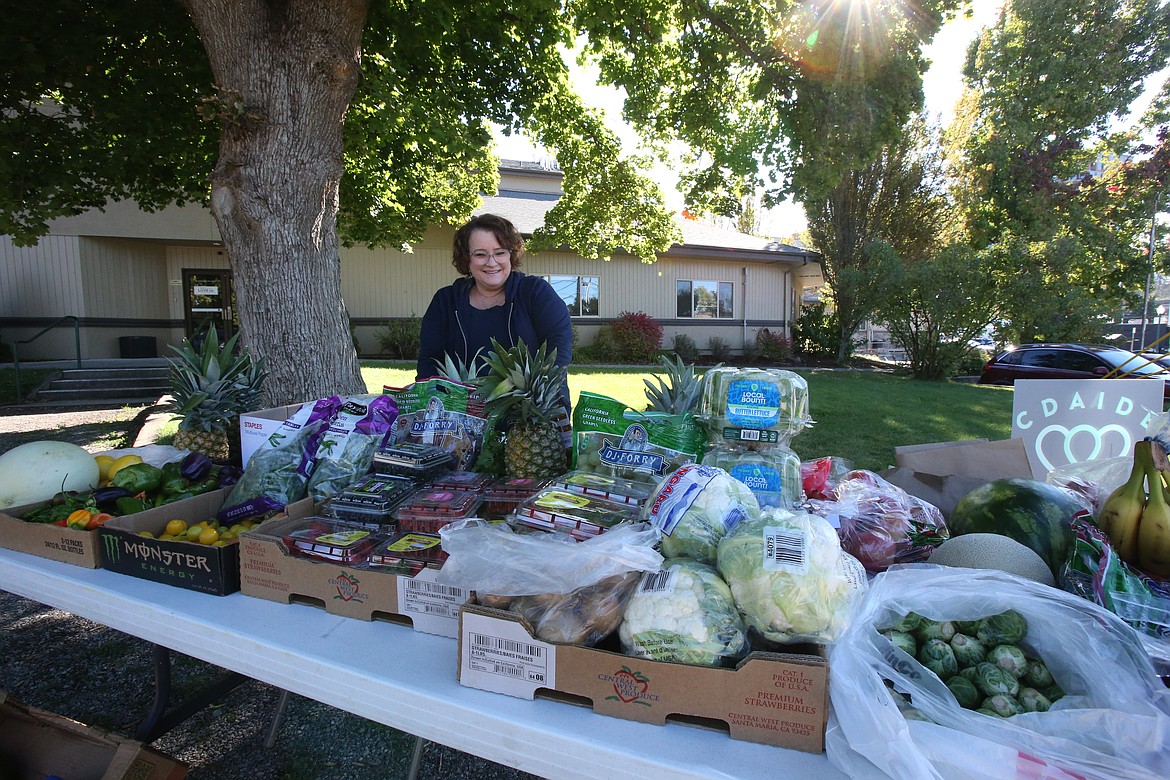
(43, 331)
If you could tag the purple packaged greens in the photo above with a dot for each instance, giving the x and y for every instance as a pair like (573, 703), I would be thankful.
(346, 450)
(281, 467)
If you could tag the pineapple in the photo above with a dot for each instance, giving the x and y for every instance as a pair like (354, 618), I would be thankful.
(209, 390)
(525, 389)
(679, 393)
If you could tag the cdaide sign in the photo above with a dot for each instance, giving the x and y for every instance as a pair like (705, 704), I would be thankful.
(1064, 421)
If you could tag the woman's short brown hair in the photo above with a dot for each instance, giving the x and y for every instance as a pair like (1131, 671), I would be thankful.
(504, 231)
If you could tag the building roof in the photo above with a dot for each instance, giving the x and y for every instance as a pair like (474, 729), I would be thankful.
(527, 211)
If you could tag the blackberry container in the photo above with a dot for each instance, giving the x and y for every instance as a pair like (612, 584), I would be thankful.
(420, 462)
(468, 481)
(372, 500)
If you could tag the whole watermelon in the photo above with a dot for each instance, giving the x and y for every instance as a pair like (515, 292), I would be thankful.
(1035, 514)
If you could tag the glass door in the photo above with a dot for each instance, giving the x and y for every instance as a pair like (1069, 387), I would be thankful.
(209, 299)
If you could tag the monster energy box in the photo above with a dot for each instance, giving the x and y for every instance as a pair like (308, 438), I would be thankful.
(189, 565)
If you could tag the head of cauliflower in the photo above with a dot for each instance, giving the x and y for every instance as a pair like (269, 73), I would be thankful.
(684, 614)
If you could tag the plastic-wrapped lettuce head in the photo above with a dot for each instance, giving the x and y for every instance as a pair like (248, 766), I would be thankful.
(695, 507)
(789, 576)
(683, 614)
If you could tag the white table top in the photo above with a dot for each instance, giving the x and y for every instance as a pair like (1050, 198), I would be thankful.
(398, 677)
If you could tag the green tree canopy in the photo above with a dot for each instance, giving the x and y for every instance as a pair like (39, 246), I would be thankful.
(305, 124)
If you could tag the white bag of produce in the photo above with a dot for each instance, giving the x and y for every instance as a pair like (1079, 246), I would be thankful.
(1112, 722)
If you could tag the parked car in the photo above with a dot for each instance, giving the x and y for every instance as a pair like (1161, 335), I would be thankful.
(1157, 357)
(1070, 361)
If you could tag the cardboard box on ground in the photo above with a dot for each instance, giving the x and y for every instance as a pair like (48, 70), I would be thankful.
(944, 472)
(37, 743)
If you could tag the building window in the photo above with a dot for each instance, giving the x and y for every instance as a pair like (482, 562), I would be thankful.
(706, 300)
(579, 293)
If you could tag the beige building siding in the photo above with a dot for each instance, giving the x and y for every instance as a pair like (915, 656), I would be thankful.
(41, 283)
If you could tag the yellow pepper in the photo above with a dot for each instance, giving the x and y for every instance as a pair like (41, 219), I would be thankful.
(78, 519)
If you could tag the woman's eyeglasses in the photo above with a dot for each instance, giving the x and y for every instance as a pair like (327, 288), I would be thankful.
(500, 255)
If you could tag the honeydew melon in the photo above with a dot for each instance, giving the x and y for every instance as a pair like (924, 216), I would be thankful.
(993, 551)
(38, 470)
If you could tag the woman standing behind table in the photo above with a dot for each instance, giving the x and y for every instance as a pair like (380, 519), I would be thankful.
(492, 300)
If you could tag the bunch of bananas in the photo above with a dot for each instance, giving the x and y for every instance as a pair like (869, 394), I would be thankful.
(1136, 516)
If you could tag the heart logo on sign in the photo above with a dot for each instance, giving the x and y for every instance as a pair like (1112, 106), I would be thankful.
(1078, 443)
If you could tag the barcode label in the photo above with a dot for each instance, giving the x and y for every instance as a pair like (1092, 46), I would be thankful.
(434, 589)
(508, 670)
(785, 549)
(507, 645)
(658, 581)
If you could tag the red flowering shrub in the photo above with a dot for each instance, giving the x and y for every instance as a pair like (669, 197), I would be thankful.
(774, 347)
(638, 336)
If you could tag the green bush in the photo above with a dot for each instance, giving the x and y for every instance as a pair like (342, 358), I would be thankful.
(718, 349)
(604, 348)
(684, 346)
(971, 364)
(773, 347)
(399, 339)
(815, 333)
(637, 335)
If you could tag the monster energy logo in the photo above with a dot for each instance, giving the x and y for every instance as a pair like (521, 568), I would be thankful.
(112, 551)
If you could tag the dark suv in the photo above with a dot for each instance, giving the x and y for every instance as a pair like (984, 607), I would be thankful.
(1069, 361)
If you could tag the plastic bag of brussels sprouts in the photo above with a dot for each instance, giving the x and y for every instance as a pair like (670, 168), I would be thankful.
(1113, 720)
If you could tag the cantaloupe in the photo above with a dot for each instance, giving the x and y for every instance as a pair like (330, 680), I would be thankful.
(993, 551)
(38, 470)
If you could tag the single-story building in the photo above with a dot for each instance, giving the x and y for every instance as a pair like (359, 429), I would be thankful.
(133, 282)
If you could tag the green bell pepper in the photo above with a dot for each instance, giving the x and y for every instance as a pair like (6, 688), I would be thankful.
(139, 478)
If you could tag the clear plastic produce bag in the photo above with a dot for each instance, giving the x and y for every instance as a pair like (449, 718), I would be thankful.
(1113, 722)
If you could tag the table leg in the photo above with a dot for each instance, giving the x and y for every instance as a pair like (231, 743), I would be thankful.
(159, 721)
(416, 758)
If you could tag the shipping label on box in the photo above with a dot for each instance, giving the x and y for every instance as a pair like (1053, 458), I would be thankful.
(46, 540)
(774, 698)
(189, 565)
(269, 571)
(256, 427)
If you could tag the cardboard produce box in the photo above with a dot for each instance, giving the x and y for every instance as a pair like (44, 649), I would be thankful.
(256, 427)
(35, 743)
(778, 699)
(189, 565)
(46, 540)
(269, 571)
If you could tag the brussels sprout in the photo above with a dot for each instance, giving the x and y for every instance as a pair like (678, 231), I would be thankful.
(908, 622)
(1002, 705)
(933, 629)
(903, 641)
(969, 651)
(1037, 674)
(968, 627)
(1009, 658)
(937, 656)
(1031, 700)
(970, 673)
(992, 680)
(1053, 693)
(985, 711)
(1006, 628)
(965, 692)
(908, 710)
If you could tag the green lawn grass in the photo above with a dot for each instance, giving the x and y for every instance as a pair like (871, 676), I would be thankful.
(858, 415)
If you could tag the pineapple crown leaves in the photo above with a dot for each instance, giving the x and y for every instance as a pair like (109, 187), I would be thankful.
(525, 385)
(456, 370)
(679, 393)
(214, 384)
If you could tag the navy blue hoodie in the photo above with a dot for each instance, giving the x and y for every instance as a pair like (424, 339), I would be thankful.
(532, 312)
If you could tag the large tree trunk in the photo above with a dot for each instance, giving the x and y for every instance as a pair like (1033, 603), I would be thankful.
(285, 74)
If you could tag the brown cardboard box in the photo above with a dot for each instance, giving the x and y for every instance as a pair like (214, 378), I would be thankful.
(47, 540)
(269, 571)
(986, 460)
(187, 565)
(256, 427)
(775, 698)
(37, 744)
